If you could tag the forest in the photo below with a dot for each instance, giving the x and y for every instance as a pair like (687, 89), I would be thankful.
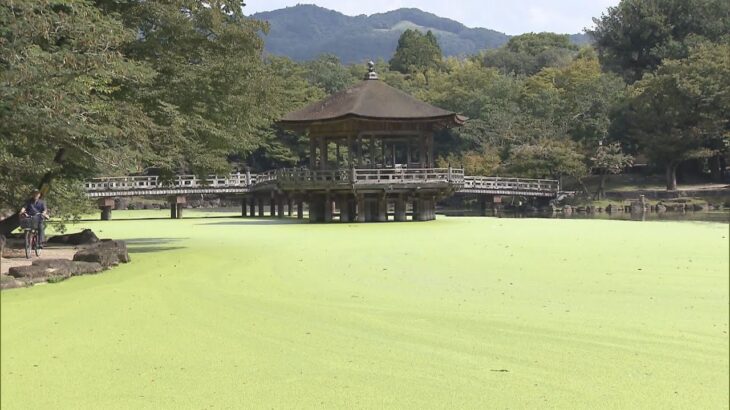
(109, 87)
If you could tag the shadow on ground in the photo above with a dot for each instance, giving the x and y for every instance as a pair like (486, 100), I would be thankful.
(151, 245)
(259, 222)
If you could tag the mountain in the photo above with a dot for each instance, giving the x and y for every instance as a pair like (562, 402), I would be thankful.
(305, 31)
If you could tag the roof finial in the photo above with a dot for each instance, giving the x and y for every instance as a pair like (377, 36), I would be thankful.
(371, 75)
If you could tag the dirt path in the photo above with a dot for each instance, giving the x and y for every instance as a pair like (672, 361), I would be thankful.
(18, 256)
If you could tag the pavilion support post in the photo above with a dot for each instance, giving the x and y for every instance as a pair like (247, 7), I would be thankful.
(322, 153)
(252, 206)
(421, 213)
(422, 151)
(414, 209)
(359, 151)
(350, 159)
(260, 202)
(327, 217)
(400, 209)
(272, 206)
(300, 209)
(360, 208)
(344, 205)
(316, 208)
(106, 205)
(352, 208)
(279, 206)
(382, 208)
(244, 207)
(289, 204)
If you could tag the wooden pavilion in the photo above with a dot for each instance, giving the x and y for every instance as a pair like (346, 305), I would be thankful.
(370, 145)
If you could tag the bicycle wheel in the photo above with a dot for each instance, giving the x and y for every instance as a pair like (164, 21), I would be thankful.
(27, 244)
(37, 243)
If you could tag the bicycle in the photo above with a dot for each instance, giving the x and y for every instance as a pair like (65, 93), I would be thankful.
(31, 227)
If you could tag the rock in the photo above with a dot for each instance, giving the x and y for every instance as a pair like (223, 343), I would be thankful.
(107, 253)
(37, 273)
(13, 253)
(85, 237)
(9, 282)
(74, 268)
(567, 209)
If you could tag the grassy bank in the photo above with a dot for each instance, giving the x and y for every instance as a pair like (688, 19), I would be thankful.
(457, 313)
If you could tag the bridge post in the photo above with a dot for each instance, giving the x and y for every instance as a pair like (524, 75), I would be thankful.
(252, 206)
(176, 206)
(260, 203)
(244, 207)
(279, 206)
(360, 208)
(382, 204)
(106, 205)
(496, 203)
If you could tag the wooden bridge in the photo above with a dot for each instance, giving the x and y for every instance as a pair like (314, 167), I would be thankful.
(359, 194)
(299, 178)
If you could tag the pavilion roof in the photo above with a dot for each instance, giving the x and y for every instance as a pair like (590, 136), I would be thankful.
(372, 99)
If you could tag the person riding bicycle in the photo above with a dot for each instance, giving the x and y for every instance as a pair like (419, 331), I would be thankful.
(35, 209)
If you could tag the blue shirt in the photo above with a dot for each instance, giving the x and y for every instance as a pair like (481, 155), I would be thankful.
(33, 208)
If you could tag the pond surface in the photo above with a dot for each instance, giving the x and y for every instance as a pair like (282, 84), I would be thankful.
(705, 216)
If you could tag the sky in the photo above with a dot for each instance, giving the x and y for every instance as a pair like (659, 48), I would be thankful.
(507, 16)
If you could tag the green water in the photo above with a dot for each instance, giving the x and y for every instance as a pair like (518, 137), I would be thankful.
(455, 313)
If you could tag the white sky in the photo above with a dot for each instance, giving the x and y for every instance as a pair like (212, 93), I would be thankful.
(508, 16)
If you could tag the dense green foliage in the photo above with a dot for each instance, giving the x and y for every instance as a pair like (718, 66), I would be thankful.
(108, 87)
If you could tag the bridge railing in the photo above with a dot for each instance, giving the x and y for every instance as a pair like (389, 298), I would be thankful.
(478, 183)
(180, 181)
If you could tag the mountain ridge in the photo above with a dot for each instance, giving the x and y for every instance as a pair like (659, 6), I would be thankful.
(305, 31)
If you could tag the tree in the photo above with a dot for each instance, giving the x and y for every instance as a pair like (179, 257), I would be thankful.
(60, 116)
(635, 36)
(680, 112)
(485, 162)
(529, 53)
(609, 159)
(327, 73)
(416, 52)
(547, 158)
(210, 94)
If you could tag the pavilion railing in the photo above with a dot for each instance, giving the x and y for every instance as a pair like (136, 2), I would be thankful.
(355, 176)
(180, 181)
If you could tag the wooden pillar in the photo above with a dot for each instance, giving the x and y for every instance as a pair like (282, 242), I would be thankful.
(252, 206)
(360, 208)
(420, 213)
(352, 208)
(350, 159)
(337, 154)
(279, 206)
(272, 206)
(382, 207)
(359, 151)
(260, 201)
(176, 206)
(327, 208)
(344, 206)
(244, 207)
(400, 209)
(422, 151)
(372, 152)
(289, 204)
(106, 205)
(322, 153)
(316, 208)
(300, 209)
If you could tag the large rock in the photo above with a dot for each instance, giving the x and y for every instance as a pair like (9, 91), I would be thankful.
(73, 268)
(34, 274)
(85, 237)
(107, 253)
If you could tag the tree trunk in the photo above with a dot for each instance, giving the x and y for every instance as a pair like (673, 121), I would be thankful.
(601, 192)
(671, 176)
(715, 170)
